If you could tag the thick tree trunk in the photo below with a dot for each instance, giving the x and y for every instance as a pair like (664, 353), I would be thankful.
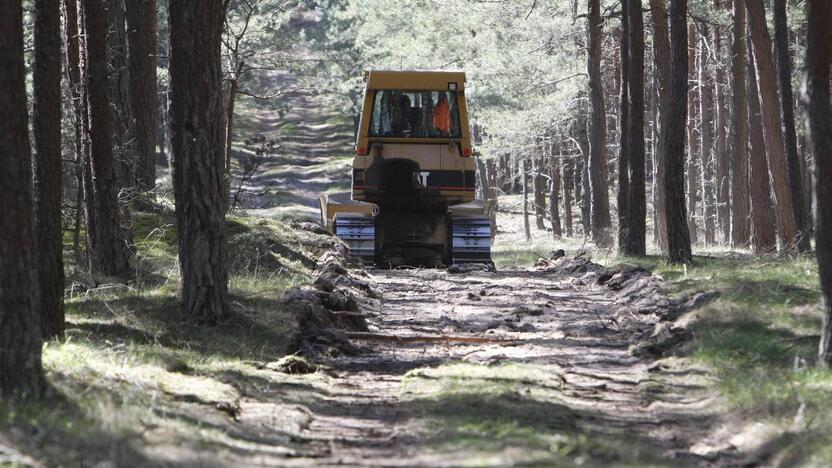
(635, 242)
(706, 102)
(109, 250)
(198, 175)
(784, 77)
(692, 139)
(20, 334)
(46, 123)
(624, 127)
(723, 186)
(818, 61)
(678, 237)
(661, 46)
(141, 37)
(601, 222)
(764, 236)
(767, 86)
(739, 130)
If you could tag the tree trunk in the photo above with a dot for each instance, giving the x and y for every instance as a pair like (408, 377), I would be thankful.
(525, 184)
(198, 166)
(554, 193)
(539, 188)
(73, 75)
(692, 140)
(784, 76)
(109, 250)
(491, 196)
(598, 132)
(661, 45)
(20, 334)
(818, 61)
(141, 37)
(582, 191)
(635, 242)
(678, 237)
(706, 102)
(568, 182)
(767, 86)
(624, 127)
(723, 186)
(762, 216)
(118, 74)
(229, 129)
(739, 130)
(47, 167)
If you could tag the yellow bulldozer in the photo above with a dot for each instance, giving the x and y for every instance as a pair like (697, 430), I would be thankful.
(413, 175)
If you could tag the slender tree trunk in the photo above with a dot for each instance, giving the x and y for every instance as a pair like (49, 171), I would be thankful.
(196, 105)
(491, 166)
(109, 254)
(767, 86)
(692, 140)
(46, 122)
(635, 243)
(118, 74)
(568, 182)
(818, 61)
(582, 190)
(525, 185)
(141, 37)
(20, 334)
(723, 186)
(539, 188)
(661, 45)
(73, 75)
(739, 130)
(678, 236)
(624, 128)
(601, 222)
(706, 103)
(554, 193)
(784, 76)
(229, 127)
(764, 237)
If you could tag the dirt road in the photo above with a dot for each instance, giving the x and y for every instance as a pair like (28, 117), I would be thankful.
(555, 381)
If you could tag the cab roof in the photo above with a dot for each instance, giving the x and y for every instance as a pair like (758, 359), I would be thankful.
(415, 80)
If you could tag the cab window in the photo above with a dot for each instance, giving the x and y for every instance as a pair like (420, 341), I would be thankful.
(415, 114)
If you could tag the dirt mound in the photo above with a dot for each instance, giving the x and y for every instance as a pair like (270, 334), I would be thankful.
(329, 307)
(269, 245)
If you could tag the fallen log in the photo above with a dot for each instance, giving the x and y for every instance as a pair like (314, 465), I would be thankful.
(367, 336)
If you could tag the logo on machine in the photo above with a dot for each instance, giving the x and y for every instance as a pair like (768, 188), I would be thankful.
(423, 178)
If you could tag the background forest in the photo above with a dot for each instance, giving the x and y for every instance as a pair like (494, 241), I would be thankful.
(151, 273)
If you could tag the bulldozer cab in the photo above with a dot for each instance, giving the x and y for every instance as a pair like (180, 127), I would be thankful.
(414, 165)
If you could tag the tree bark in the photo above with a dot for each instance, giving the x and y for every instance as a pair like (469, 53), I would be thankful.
(539, 188)
(678, 237)
(47, 166)
(568, 182)
(141, 38)
(661, 46)
(739, 130)
(816, 95)
(706, 102)
(764, 237)
(109, 250)
(554, 192)
(624, 128)
(601, 222)
(635, 242)
(723, 186)
(20, 334)
(118, 75)
(73, 75)
(767, 87)
(198, 175)
(784, 77)
(692, 140)
(525, 185)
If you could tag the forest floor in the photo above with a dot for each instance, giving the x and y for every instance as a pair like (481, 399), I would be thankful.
(563, 363)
